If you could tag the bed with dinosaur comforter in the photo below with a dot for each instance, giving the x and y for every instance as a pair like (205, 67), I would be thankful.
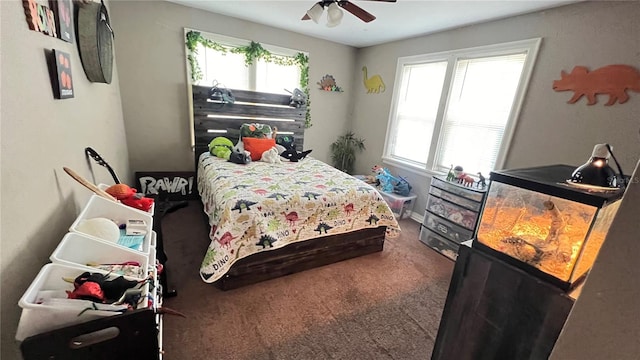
(261, 208)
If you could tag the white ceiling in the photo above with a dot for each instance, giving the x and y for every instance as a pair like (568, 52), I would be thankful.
(399, 20)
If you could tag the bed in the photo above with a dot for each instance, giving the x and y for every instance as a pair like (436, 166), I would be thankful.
(269, 220)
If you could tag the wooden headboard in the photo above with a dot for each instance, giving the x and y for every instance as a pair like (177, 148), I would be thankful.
(213, 119)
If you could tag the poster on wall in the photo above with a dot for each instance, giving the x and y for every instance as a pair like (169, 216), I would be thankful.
(60, 71)
(64, 18)
(39, 18)
(171, 185)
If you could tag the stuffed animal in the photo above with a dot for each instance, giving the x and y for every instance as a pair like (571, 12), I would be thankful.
(271, 156)
(130, 197)
(387, 181)
(290, 152)
(221, 147)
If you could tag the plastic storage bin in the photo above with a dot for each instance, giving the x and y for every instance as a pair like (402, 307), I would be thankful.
(37, 317)
(401, 206)
(77, 249)
(98, 206)
(150, 212)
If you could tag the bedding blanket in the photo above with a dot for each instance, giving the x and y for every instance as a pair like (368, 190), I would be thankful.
(262, 206)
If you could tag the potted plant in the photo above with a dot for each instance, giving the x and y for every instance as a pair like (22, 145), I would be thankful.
(343, 151)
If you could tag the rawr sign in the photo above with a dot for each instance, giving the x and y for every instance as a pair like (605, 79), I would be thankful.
(173, 185)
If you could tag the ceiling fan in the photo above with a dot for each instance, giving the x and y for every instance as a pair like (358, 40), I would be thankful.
(334, 13)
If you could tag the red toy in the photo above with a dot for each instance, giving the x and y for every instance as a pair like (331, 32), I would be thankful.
(129, 196)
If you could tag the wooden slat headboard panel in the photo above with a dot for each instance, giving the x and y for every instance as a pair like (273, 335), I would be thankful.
(249, 107)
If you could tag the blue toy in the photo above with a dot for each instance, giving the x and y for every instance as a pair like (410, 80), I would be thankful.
(387, 181)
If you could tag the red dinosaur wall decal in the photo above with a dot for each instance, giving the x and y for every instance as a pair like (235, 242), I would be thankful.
(613, 80)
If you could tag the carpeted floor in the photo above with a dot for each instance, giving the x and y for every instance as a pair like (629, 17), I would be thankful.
(385, 305)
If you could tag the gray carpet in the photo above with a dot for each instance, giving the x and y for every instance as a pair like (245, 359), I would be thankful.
(385, 305)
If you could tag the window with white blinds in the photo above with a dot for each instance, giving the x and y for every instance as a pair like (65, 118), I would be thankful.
(458, 107)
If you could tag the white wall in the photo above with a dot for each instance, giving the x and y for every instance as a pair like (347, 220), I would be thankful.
(39, 136)
(549, 130)
(154, 82)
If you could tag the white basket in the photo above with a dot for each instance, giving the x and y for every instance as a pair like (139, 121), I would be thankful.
(77, 249)
(38, 318)
(102, 186)
(101, 207)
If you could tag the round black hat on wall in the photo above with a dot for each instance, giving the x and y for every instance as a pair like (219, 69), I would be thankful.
(95, 42)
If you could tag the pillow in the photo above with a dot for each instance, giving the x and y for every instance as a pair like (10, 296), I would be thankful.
(257, 146)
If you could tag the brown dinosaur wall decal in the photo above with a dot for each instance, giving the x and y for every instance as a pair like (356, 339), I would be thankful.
(613, 80)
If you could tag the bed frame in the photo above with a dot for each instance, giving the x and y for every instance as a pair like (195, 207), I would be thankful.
(213, 119)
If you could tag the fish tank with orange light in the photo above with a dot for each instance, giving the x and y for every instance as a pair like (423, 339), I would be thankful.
(534, 219)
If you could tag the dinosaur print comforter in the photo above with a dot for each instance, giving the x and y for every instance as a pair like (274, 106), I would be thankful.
(262, 206)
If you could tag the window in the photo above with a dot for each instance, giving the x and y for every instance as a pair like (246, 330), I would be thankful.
(230, 69)
(457, 107)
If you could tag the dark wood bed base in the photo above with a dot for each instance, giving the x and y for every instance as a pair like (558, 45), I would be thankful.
(294, 257)
(302, 256)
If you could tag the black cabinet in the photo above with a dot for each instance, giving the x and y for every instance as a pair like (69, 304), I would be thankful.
(451, 215)
(497, 311)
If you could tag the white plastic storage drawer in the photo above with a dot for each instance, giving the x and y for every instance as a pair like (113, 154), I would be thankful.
(76, 249)
(466, 203)
(452, 212)
(38, 316)
(446, 228)
(104, 208)
(467, 192)
(438, 243)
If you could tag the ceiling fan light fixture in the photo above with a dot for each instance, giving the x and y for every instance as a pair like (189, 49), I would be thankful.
(334, 15)
(315, 13)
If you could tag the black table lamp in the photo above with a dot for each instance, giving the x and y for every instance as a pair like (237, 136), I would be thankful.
(596, 172)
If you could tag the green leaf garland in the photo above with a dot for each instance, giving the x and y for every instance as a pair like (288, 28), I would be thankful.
(251, 52)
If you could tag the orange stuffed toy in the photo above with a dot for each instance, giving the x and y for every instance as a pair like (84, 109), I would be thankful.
(130, 197)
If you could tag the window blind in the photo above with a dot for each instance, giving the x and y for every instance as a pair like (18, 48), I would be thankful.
(417, 110)
(478, 109)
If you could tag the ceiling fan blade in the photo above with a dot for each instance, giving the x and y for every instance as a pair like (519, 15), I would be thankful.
(357, 11)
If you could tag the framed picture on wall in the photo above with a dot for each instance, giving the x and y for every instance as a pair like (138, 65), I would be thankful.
(62, 79)
(64, 18)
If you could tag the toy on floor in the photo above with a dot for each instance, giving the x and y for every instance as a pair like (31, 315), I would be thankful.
(387, 181)
(130, 197)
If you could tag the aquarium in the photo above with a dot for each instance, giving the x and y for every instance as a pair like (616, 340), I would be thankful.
(534, 219)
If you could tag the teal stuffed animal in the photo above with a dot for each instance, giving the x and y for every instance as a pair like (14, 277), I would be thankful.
(221, 147)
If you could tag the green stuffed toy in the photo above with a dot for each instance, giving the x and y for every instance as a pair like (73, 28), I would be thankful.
(221, 147)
